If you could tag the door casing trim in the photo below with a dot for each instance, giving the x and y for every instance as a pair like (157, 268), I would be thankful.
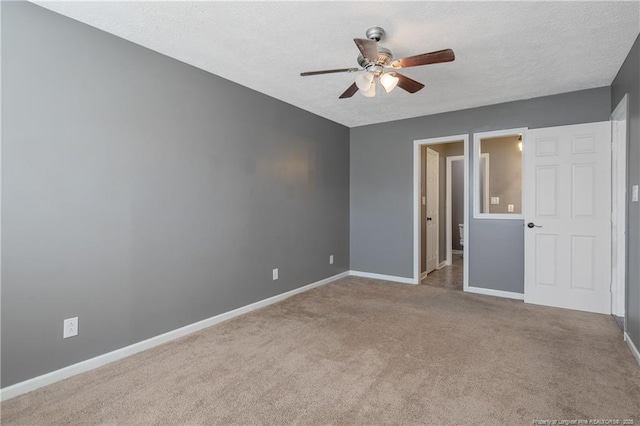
(620, 167)
(416, 202)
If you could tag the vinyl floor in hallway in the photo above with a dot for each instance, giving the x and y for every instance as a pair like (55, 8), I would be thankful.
(447, 277)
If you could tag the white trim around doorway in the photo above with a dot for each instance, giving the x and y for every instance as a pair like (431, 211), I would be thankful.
(477, 137)
(416, 202)
(618, 210)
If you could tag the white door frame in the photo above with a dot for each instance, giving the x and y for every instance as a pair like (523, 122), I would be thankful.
(619, 210)
(477, 138)
(449, 220)
(416, 202)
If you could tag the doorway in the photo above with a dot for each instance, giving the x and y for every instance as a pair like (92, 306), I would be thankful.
(440, 201)
(618, 211)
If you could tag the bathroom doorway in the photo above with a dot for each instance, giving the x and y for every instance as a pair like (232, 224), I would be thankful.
(441, 212)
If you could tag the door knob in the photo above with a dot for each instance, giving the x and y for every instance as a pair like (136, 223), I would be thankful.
(533, 225)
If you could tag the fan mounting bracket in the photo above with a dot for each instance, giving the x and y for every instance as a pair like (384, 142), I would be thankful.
(375, 33)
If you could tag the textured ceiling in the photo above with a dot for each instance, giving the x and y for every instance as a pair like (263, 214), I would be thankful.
(504, 50)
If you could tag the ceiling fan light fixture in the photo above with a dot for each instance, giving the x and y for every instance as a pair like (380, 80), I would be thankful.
(371, 92)
(374, 60)
(364, 81)
(389, 82)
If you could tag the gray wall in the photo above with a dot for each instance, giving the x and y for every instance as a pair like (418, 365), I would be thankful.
(382, 185)
(628, 81)
(457, 203)
(143, 194)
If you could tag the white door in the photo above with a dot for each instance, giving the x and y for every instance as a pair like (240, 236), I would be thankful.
(431, 220)
(567, 211)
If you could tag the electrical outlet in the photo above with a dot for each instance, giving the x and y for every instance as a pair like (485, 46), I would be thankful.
(510, 208)
(275, 274)
(495, 200)
(331, 260)
(70, 327)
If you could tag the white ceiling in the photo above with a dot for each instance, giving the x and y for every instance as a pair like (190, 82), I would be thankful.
(504, 50)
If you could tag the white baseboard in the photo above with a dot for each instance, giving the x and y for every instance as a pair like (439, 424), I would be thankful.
(456, 252)
(423, 276)
(497, 293)
(632, 347)
(402, 280)
(92, 363)
(442, 264)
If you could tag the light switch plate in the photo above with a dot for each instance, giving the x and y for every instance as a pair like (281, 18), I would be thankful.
(634, 193)
(495, 200)
(275, 274)
(331, 260)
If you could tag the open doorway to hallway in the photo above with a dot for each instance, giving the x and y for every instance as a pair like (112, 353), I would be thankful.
(442, 214)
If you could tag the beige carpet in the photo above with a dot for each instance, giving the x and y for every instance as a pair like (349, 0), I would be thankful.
(360, 351)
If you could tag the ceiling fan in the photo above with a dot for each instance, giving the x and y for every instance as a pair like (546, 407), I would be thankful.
(379, 66)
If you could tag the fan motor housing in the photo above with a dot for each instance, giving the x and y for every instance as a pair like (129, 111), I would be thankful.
(384, 58)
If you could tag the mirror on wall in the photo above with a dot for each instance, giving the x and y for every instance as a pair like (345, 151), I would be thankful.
(498, 172)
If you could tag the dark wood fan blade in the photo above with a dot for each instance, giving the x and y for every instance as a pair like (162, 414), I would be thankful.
(304, 74)
(445, 55)
(350, 91)
(406, 83)
(368, 48)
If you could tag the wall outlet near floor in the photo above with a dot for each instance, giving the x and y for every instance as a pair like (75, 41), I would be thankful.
(510, 208)
(331, 260)
(275, 274)
(495, 200)
(70, 327)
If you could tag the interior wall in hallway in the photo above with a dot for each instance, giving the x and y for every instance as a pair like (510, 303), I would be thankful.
(457, 202)
(505, 173)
